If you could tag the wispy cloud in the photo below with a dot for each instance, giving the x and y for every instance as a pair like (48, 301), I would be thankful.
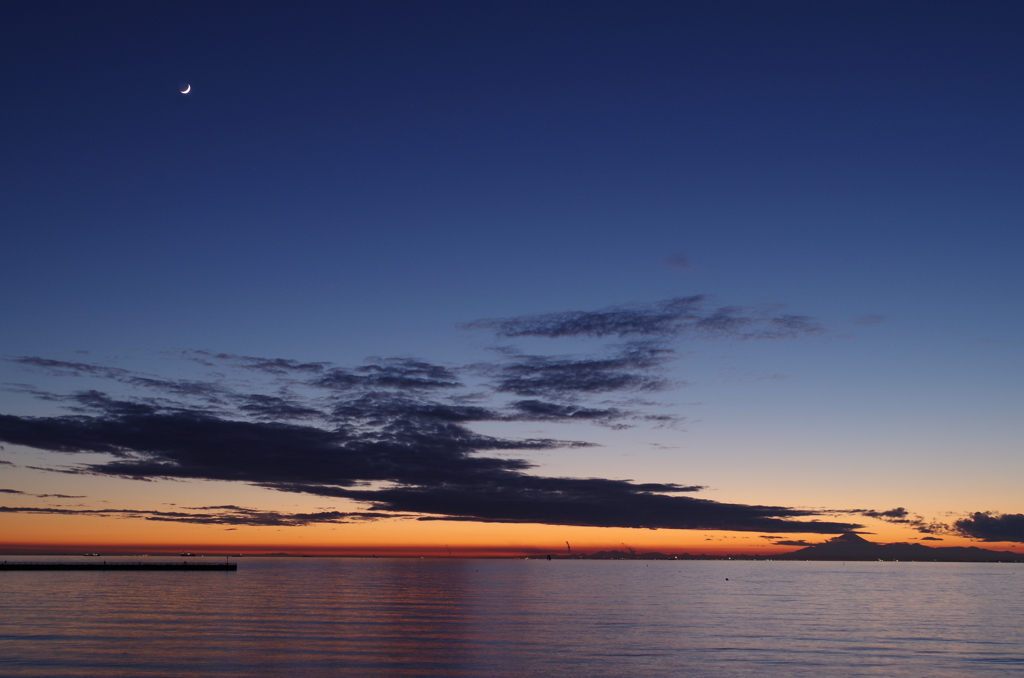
(204, 390)
(629, 369)
(213, 515)
(682, 316)
(43, 496)
(277, 366)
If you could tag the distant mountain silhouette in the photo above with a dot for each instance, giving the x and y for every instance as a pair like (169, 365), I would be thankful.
(851, 546)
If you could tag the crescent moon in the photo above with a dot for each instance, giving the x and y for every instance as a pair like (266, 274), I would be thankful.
(188, 88)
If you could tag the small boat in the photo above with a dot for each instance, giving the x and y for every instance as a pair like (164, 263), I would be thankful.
(188, 554)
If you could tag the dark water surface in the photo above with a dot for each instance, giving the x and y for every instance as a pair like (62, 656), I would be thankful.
(397, 617)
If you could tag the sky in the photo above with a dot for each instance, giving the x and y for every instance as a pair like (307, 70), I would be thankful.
(485, 278)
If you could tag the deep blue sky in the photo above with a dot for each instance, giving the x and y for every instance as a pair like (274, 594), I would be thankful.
(355, 179)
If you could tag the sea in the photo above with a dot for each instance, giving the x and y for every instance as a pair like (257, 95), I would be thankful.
(327, 617)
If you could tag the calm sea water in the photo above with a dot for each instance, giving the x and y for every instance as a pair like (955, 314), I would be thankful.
(396, 617)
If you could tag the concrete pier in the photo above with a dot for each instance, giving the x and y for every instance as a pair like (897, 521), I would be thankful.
(116, 565)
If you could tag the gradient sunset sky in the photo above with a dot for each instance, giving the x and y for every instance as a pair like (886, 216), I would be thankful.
(490, 277)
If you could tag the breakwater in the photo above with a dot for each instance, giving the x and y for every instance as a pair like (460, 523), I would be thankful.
(115, 565)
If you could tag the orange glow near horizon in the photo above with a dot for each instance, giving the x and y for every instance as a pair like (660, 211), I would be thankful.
(41, 534)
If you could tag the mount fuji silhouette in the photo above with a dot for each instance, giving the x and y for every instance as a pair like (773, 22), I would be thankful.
(852, 546)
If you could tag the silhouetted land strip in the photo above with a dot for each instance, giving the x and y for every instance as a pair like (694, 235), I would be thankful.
(848, 546)
(158, 567)
(851, 546)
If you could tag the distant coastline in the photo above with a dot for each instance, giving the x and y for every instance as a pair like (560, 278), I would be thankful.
(848, 546)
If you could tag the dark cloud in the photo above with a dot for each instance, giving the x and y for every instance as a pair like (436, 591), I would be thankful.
(404, 441)
(988, 526)
(395, 373)
(896, 515)
(64, 368)
(275, 408)
(902, 516)
(433, 464)
(629, 369)
(394, 411)
(217, 515)
(539, 410)
(682, 316)
(44, 496)
(395, 433)
(792, 542)
(93, 401)
(931, 527)
(207, 391)
(581, 501)
(931, 539)
(204, 390)
(276, 366)
(613, 417)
